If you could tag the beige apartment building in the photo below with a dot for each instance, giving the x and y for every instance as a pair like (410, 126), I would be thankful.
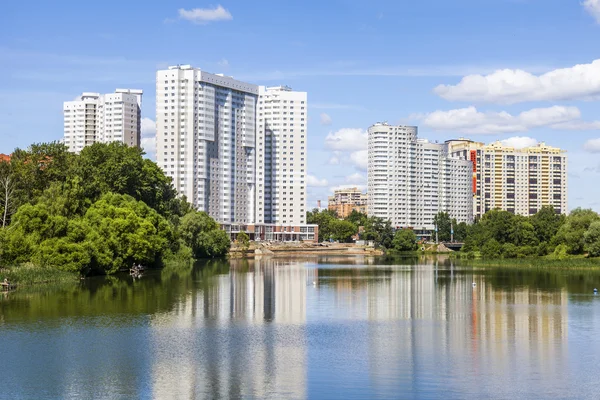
(520, 181)
(344, 201)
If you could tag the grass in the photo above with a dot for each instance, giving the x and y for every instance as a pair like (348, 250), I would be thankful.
(29, 274)
(573, 262)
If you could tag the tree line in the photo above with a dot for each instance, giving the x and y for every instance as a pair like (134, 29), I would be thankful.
(503, 234)
(498, 234)
(99, 211)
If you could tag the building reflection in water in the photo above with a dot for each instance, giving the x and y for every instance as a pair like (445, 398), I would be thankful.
(245, 334)
(241, 335)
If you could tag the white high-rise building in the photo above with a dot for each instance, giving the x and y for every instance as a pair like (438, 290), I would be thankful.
(206, 140)
(103, 118)
(410, 180)
(281, 156)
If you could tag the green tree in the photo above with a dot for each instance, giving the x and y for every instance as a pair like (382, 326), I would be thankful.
(591, 239)
(118, 168)
(324, 219)
(546, 223)
(202, 234)
(571, 233)
(491, 249)
(461, 231)
(342, 231)
(379, 230)
(404, 240)
(522, 232)
(357, 218)
(443, 222)
(243, 240)
(509, 250)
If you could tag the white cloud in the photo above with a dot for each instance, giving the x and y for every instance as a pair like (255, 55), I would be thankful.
(356, 178)
(519, 142)
(149, 146)
(223, 63)
(325, 119)
(347, 139)
(508, 86)
(335, 158)
(471, 121)
(205, 15)
(592, 145)
(149, 138)
(593, 7)
(340, 187)
(578, 125)
(148, 128)
(313, 181)
(360, 159)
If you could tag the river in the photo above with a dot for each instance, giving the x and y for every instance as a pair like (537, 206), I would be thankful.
(323, 327)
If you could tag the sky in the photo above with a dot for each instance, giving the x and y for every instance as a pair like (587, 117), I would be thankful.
(520, 71)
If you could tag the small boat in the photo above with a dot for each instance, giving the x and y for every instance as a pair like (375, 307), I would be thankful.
(6, 285)
(136, 270)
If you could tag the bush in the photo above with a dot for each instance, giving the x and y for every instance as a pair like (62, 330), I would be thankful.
(404, 240)
(560, 252)
(509, 250)
(491, 249)
(526, 251)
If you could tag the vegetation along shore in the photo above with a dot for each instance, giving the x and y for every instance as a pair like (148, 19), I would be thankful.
(67, 215)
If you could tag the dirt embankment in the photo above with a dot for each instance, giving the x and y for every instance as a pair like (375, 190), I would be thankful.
(276, 248)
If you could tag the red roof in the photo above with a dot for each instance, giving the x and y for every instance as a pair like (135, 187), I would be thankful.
(4, 158)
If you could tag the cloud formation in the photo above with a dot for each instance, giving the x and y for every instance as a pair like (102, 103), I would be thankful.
(325, 119)
(593, 8)
(205, 15)
(341, 187)
(519, 142)
(347, 139)
(148, 127)
(592, 146)
(313, 181)
(356, 178)
(471, 121)
(149, 138)
(509, 86)
(360, 159)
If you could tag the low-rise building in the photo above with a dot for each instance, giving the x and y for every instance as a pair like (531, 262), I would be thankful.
(274, 232)
(344, 201)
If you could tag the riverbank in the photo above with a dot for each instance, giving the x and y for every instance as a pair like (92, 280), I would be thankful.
(29, 274)
(575, 262)
(266, 248)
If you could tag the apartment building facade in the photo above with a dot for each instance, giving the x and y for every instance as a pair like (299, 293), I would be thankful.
(205, 140)
(103, 118)
(410, 180)
(281, 140)
(344, 201)
(236, 150)
(520, 181)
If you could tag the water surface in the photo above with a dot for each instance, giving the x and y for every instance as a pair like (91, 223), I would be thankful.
(330, 327)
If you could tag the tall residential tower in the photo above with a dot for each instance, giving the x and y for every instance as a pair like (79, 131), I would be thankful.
(206, 140)
(103, 118)
(410, 180)
(281, 156)
(520, 181)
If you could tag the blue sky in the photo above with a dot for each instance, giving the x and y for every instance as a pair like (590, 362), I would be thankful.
(515, 70)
